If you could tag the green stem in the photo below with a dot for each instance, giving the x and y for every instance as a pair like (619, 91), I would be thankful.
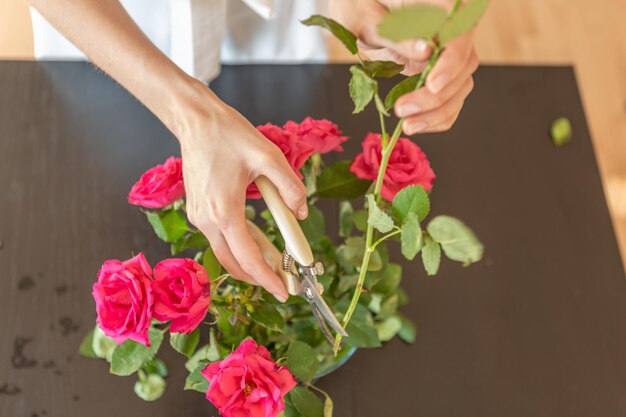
(369, 233)
(387, 236)
(454, 7)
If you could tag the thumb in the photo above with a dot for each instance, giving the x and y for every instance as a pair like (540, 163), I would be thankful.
(290, 187)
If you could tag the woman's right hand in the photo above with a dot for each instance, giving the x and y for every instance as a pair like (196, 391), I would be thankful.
(222, 154)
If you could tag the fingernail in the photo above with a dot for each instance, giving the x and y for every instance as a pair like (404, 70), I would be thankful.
(280, 298)
(303, 212)
(415, 127)
(421, 46)
(438, 83)
(408, 109)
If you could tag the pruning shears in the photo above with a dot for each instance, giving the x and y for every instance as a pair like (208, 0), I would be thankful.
(300, 270)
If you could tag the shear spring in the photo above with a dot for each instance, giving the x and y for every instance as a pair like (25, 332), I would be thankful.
(288, 262)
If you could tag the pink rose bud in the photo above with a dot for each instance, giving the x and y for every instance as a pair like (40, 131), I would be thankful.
(160, 186)
(408, 165)
(182, 293)
(124, 299)
(323, 135)
(296, 151)
(248, 383)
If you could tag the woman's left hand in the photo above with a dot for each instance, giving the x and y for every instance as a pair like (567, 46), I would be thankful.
(431, 109)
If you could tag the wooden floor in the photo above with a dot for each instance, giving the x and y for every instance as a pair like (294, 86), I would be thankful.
(589, 35)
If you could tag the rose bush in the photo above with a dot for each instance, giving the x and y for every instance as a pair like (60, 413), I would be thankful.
(322, 135)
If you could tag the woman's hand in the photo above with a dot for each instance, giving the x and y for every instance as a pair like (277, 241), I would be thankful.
(431, 109)
(222, 154)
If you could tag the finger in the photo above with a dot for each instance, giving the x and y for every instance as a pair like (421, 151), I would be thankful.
(248, 254)
(450, 109)
(290, 187)
(225, 256)
(423, 100)
(450, 63)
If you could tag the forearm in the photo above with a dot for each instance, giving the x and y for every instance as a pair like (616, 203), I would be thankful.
(110, 38)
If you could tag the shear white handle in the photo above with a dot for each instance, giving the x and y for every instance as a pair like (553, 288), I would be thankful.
(295, 241)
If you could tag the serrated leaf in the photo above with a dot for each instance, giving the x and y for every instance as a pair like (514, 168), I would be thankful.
(150, 388)
(345, 218)
(169, 225)
(377, 218)
(302, 361)
(339, 31)
(336, 181)
(405, 86)
(382, 69)
(305, 403)
(130, 355)
(362, 88)
(86, 346)
(463, 20)
(388, 328)
(268, 316)
(457, 240)
(185, 343)
(195, 380)
(431, 255)
(211, 264)
(411, 236)
(420, 21)
(411, 199)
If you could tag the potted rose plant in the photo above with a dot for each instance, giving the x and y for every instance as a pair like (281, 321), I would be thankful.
(250, 354)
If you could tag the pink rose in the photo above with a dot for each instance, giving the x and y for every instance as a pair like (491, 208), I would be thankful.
(248, 383)
(296, 151)
(182, 293)
(124, 299)
(323, 135)
(160, 186)
(407, 165)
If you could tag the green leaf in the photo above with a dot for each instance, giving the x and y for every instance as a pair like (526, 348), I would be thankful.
(314, 226)
(405, 86)
(345, 218)
(86, 346)
(388, 328)
(302, 361)
(457, 240)
(388, 306)
(268, 316)
(362, 88)
(362, 332)
(389, 280)
(195, 380)
(102, 345)
(340, 32)
(463, 20)
(411, 236)
(407, 332)
(360, 220)
(336, 181)
(352, 253)
(169, 225)
(185, 343)
(305, 403)
(561, 131)
(411, 199)
(208, 353)
(211, 264)
(420, 21)
(130, 355)
(250, 213)
(378, 218)
(156, 366)
(150, 388)
(382, 69)
(431, 255)
(347, 282)
(195, 240)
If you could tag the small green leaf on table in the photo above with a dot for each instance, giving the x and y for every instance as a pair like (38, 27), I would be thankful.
(303, 403)
(211, 264)
(339, 31)
(302, 361)
(463, 20)
(169, 225)
(185, 343)
(561, 131)
(150, 388)
(420, 21)
(431, 255)
(411, 236)
(130, 355)
(411, 199)
(405, 86)
(377, 218)
(362, 88)
(336, 181)
(382, 69)
(457, 240)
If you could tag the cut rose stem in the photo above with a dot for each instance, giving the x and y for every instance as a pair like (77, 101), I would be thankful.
(369, 233)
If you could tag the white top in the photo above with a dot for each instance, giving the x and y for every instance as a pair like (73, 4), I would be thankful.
(197, 34)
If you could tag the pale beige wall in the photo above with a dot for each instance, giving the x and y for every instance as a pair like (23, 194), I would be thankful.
(588, 34)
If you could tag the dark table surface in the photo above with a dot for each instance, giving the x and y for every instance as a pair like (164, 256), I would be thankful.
(538, 328)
